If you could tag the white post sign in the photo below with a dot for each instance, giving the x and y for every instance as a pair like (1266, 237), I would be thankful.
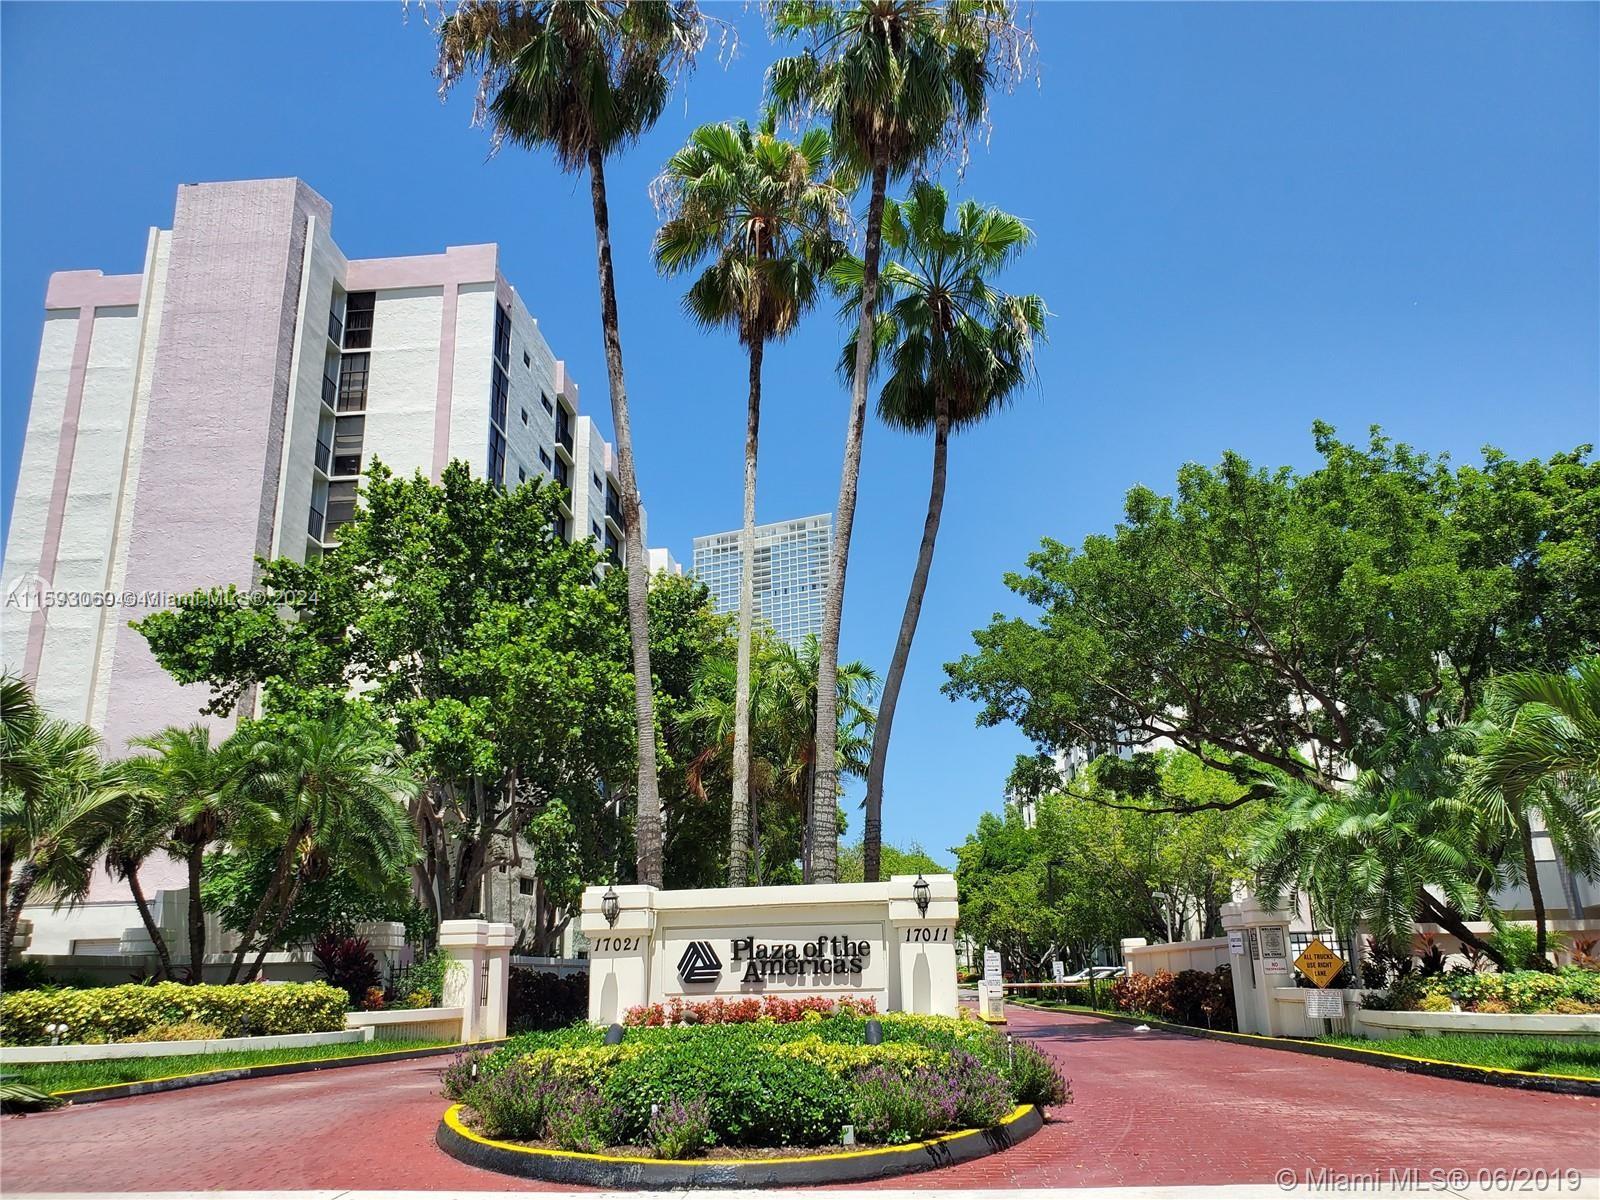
(1236, 941)
(991, 966)
(1320, 1003)
(1274, 950)
(1058, 970)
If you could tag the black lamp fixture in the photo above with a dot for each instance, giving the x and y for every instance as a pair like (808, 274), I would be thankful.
(610, 906)
(921, 892)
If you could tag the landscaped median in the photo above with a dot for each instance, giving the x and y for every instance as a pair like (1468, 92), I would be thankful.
(748, 1096)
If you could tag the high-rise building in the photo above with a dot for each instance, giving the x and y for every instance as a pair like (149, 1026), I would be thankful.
(791, 573)
(221, 405)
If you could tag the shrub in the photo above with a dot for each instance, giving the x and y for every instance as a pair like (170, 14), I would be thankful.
(424, 979)
(373, 1000)
(539, 1000)
(584, 1120)
(718, 1011)
(1036, 1077)
(460, 1076)
(348, 963)
(983, 1098)
(1434, 1002)
(1515, 991)
(179, 1031)
(681, 1128)
(515, 1102)
(1201, 998)
(894, 1108)
(119, 1013)
(1518, 945)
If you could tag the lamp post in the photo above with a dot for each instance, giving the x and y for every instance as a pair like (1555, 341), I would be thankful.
(922, 893)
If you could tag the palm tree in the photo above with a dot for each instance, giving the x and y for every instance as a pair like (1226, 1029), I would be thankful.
(320, 790)
(58, 807)
(769, 214)
(1377, 854)
(958, 349)
(193, 783)
(1539, 758)
(143, 828)
(583, 78)
(896, 80)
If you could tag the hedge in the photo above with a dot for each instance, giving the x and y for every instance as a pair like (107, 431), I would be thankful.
(121, 1014)
(1571, 990)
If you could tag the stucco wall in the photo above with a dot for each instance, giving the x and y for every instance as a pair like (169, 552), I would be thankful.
(469, 390)
(402, 389)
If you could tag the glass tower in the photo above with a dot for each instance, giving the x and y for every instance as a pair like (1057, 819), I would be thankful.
(791, 573)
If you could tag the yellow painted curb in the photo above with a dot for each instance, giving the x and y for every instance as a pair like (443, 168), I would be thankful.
(452, 1118)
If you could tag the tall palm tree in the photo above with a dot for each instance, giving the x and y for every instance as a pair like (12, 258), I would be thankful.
(770, 215)
(958, 349)
(319, 790)
(1539, 759)
(583, 78)
(143, 829)
(58, 807)
(896, 80)
(192, 784)
(1384, 855)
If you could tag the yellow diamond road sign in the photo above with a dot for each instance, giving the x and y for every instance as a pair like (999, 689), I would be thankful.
(1319, 964)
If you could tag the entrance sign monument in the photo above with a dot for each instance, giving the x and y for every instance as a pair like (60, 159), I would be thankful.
(860, 940)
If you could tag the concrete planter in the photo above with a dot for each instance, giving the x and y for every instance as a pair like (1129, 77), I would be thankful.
(10, 1055)
(616, 1171)
(1377, 1024)
(414, 1024)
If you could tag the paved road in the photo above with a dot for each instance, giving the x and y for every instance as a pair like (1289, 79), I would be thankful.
(1152, 1109)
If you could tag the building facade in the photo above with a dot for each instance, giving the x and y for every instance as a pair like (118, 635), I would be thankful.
(221, 405)
(791, 573)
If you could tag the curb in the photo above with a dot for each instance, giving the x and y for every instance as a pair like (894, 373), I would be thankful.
(608, 1171)
(177, 1083)
(1532, 1081)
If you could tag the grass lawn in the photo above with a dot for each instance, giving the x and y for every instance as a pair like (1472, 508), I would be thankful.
(1515, 1052)
(70, 1076)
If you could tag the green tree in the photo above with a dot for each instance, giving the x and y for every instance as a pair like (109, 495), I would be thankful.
(582, 79)
(1305, 623)
(186, 785)
(769, 215)
(957, 350)
(58, 807)
(321, 790)
(458, 618)
(913, 860)
(1538, 759)
(896, 81)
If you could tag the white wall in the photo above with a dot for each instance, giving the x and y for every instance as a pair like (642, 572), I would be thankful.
(469, 391)
(403, 388)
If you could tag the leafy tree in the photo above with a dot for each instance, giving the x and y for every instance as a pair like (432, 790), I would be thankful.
(896, 82)
(142, 828)
(770, 215)
(582, 79)
(58, 807)
(957, 348)
(456, 616)
(1313, 624)
(1538, 758)
(322, 790)
(913, 860)
(186, 787)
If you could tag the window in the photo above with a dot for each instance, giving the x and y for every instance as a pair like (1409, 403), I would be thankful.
(596, 527)
(527, 360)
(497, 397)
(563, 475)
(358, 311)
(497, 456)
(522, 474)
(502, 335)
(545, 400)
(544, 457)
(564, 428)
(341, 505)
(526, 886)
(601, 484)
(559, 526)
(347, 445)
(524, 416)
(353, 382)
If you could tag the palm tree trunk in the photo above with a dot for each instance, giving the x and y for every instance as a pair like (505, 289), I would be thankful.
(1530, 865)
(825, 796)
(279, 873)
(872, 839)
(739, 831)
(277, 926)
(26, 875)
(1435, 913)
(130, 871)
(647, 820)
(197, 915)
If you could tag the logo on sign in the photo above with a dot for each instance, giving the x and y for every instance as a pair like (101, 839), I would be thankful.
(699, 964)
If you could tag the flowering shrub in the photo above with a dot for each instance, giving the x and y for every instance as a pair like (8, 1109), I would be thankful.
(681, 1128)
(1036, 1077)
(1573, 989)
(122, 1013)
(461, 1074)
(1201, 998)
(718, 1011)
(585, 1120)
(894, 1107)
(516, 1102)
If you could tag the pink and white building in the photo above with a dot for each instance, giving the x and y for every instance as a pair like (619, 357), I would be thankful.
(220, 405)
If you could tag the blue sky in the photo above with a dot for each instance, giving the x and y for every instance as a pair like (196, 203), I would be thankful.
(1248, 217)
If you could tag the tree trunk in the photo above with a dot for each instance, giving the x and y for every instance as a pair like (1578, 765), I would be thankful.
(824, 820)
(1433, 912)
(197, 915)
(26, 876)
(647, 821)
(130, 871)
(739, 830)
(1530, 864)
(279, 873)
(872, 839)
(277, 926)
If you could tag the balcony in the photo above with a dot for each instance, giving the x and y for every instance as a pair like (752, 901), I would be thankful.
(335, 329)
(314, 525)
(330, 391)
(614, 509)
(324, 454)
(564, 428)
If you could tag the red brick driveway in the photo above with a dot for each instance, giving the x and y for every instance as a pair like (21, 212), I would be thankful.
(1152, 1109)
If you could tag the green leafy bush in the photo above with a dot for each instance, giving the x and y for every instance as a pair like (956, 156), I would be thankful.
(584, 1121)
(1036, 1077)
(894, 1107)
(516, 1102)
(682, 1128)
(1573, 989)
(539, 1000)
(120, 1013)
(1199, 998)
(421, 985)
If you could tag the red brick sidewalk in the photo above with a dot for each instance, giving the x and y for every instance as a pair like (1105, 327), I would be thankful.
(1152, 1109)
